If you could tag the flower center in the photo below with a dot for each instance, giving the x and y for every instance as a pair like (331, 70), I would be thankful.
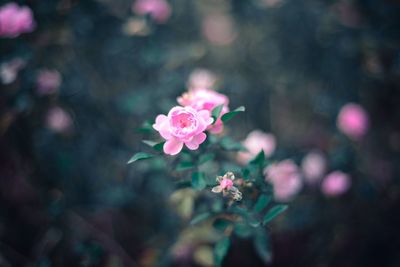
(183, 124)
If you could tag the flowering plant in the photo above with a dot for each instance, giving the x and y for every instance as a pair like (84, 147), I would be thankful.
(193, 143)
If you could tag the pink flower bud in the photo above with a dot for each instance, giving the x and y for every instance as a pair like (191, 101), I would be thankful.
(48, 82)
(335, 183)
(58, 120)
(353, 121)
(313, 167)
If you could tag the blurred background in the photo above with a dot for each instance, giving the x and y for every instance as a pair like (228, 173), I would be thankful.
(81, 76)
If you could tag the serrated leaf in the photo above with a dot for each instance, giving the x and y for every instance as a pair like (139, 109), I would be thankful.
(228, 116)
(216, 112)
(220, 250)
(184, 165)
(273, 212)
(139, 156)
(206, 157)
(200, 218)
(262, 201)
(198, 181)
(262, 246)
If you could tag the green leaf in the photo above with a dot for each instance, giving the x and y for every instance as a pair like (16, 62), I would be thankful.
(228, 116)
(220, 250)
(155, 145)
(216, 112)
(184, 165)
(259, 159)
(254, 221)
(206, 157)
(262, 201)
(262, 246)
(273, 212)
(139, 156)
(198, 181)
(200, 218)
(221, 224)
(146, 127)
(230, 144)
(243, 230)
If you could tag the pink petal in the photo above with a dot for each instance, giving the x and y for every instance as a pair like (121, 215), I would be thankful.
(173, 146)
(162, 126)
(196, 141)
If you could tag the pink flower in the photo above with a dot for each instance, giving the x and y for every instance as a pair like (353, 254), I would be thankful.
(58, 120)
(226, 186)
(219, 29)
(183, 125)
(15, 20)
(201, 79)
(205, 99)
(254, 143)
(313, 167)
(335, 183)
(285, 179)
(48, 81)
(159, 10)
(9, 70)
(353, 121)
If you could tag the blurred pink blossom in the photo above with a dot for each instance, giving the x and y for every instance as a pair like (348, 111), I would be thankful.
(353, 120)
(335, 183)
(219, 29)
(254, 143)
(58, 120)
(48, 82)
(159, 10)
(9, 70)
(285, 179)
(15, 20)
(182, 125)
(313, 167)
(201, 79)
(205, 99)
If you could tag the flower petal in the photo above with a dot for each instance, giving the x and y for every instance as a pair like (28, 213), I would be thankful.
(162, 126)
(196, 141)
(216, 189)
(173, 146)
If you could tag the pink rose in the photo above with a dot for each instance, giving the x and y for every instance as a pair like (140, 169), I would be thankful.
(353, 121)
(335, 183)
(254, 143)
(15, 20)
(205, 99)
(201, 79)
(58, 120)
(159, 10)
(285, 179)
(313, 167)
(48, 81)
(183, 125)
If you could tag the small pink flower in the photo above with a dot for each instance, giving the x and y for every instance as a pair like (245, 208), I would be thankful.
(48, 82)
(285, 179)
(58, 120)
(159, 10)
(353, 121)
(254, 143)
(15, 20)
(205, 99)
(201, 79)
(226, 186)
(9, 70)
(219, 29)
(183, 125)
(313, 167)
(335, 183)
